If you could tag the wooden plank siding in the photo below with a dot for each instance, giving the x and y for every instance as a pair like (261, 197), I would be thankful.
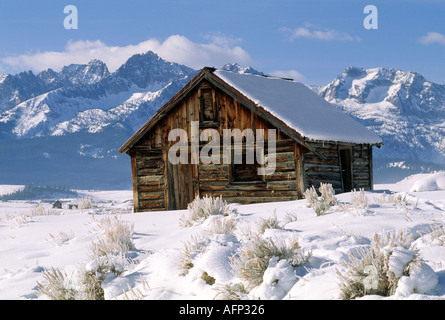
(328, 170)
(158, 185)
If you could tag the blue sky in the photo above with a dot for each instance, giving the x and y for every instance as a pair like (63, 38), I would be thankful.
(311, 41)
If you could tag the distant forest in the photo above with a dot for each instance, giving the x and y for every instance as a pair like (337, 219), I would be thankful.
(36, 192)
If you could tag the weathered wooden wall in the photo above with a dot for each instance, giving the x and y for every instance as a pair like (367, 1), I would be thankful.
(328, 170)
(362, 167)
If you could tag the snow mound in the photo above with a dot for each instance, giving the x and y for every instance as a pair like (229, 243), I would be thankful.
(430, 182)
(422, 279)
(278, 279)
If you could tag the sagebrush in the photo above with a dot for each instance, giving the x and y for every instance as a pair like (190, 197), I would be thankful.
(371, 271)
(253, 258)
(202, 208)
(324, 202)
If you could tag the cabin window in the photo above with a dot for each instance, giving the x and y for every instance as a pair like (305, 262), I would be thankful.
(208, 110)
(247, 170)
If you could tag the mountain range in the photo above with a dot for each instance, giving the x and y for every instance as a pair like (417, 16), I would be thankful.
(406, 110)
(65, 127)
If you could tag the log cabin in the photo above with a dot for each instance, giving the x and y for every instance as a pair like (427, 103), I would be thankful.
(313, 142)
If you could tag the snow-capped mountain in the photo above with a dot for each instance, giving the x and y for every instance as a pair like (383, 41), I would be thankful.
(60, 127)
(87, 98)
(83, 112)
(235, 67)
(402, 107)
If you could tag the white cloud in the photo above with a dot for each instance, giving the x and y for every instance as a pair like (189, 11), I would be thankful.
(218, 50)
(292, 74)
(432, 37)
(310, 31)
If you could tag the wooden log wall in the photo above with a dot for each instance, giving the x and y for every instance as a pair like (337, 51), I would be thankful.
(215, 180)
(328, 170)
(362, 167)
(148, 172)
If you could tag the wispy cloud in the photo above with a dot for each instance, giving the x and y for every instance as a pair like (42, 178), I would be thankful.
(217, 50)
(432, 37)
(292, 74)
(309, 31)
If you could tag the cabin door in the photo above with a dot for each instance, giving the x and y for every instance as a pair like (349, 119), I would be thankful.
(182, 185)
(346, 168)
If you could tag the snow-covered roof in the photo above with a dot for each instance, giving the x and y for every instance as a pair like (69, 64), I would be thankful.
(300, 108)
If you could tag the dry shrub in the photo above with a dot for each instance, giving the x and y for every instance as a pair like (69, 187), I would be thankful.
(202, 208)
(111, 250)
(231, 291)
(311, 197)
(59, 285)
(91, 285)
(224, 225)
(370, 272)
(85, 203)
(253, 258)
(269, 223)
(326, 200)
(191, 248)
(437, 234)
(62, 237)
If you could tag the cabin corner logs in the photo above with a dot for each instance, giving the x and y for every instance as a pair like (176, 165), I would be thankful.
(160, 185)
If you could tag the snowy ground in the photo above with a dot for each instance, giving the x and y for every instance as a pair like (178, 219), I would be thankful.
(32, 241)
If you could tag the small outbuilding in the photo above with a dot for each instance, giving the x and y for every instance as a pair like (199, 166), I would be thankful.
(287, 137)
(57, 204)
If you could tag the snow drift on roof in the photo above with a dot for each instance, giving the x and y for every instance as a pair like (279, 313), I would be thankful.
(300, 108)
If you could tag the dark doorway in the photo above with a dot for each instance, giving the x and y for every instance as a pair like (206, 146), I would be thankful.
(346, 169)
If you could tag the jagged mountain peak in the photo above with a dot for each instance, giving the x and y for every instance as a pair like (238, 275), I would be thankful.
(406, 110)
(89, 73)
(235, 67)
(404, 90)
(148, 68)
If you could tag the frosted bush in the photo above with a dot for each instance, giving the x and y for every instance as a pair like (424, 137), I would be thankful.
(269, 223)
(253, 258)
(321, 207)
(290, 217)
(378, 269)
(59, 286)
(231, 291)
(81, 285)
(327, 194)
(202, 208)
(191, 248)
(62, 237)
(110, 251)
(359, 201)
(137, 293)
(220, 225)
(85, 203)
(326, 200)
(108, 254)
(91, 285)
(311, 196)
(437, 234)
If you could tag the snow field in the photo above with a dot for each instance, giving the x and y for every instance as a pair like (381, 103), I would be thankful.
(62, 238)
